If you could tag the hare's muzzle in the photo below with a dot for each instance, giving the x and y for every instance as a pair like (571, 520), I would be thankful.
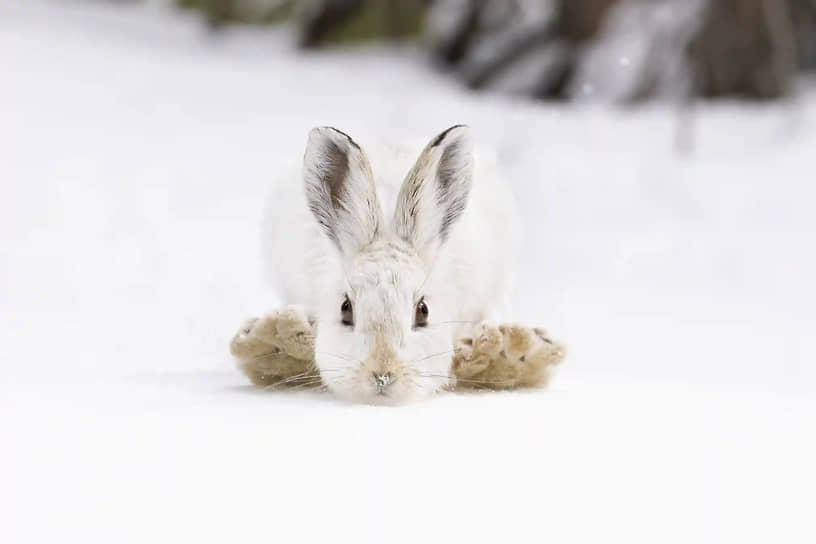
(382, 367)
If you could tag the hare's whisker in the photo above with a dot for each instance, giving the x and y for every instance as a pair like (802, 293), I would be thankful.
(306, 387)
(432, 355)
(453, 321)
(296, 377)
(469, 380)
(335, 355)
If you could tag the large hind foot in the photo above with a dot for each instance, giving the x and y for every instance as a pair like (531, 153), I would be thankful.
(505, 357)
(277, 349)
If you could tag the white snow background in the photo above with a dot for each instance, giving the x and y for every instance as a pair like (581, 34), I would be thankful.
(136, 152)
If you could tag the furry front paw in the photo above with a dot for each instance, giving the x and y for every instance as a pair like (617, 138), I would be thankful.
(288, 328)
(506, 357)
(276, 349)
(531, 353)
(472, 355)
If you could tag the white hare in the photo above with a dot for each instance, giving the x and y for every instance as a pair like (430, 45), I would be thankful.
(391, 249)
(393, 252)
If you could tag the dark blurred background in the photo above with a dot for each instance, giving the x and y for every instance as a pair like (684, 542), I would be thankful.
(744, 48)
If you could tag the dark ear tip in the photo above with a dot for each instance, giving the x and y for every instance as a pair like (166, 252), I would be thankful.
(462, 129)
(333, 134)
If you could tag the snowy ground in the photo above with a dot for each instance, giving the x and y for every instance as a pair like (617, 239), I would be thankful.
(135, 154)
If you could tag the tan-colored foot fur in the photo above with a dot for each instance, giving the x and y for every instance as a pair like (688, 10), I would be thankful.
(277, 349)
(505, 357)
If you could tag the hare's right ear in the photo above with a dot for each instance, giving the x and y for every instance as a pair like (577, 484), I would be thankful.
(340, 189)
(434, 194)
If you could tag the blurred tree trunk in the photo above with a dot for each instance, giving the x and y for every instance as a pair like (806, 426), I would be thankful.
(577, 23)
(580, 20)
(747, 48)
(452, 49)
(744, 48)
(803, 15)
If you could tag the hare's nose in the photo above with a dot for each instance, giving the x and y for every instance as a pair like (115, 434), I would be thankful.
(382, 380)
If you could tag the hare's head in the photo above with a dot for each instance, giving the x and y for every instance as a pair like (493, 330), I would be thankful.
(383, 332)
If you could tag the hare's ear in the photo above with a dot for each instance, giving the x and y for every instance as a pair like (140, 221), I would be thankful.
(434, 194)
(340, 189)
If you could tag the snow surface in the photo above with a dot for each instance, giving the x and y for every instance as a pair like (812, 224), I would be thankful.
(135, 155)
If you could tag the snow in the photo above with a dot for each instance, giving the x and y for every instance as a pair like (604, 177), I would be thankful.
(136, 156)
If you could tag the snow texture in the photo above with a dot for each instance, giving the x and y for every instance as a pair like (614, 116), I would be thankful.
(135, 156)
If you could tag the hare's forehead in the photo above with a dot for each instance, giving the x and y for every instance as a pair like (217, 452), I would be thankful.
(391, 270)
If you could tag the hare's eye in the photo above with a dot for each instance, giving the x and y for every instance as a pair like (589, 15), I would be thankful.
(347, 313)
(421, 317)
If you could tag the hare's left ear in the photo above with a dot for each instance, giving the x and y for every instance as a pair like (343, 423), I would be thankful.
(340, 189)
(434, 194)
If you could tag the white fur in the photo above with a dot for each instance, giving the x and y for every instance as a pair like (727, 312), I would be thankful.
(382, 246)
